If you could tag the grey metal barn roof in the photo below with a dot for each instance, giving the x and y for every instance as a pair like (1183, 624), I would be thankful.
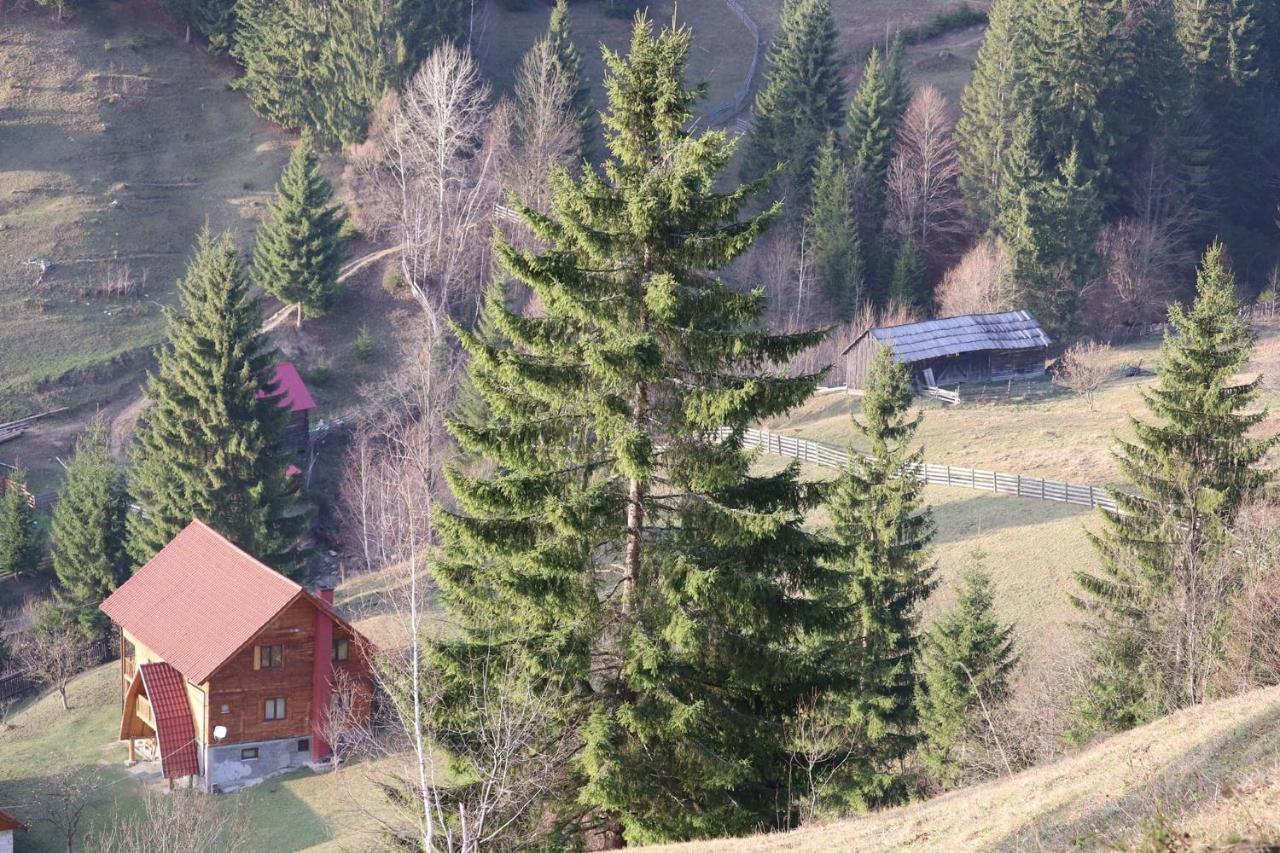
(1011, 330)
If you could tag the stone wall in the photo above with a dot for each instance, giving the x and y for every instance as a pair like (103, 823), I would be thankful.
(227, 770)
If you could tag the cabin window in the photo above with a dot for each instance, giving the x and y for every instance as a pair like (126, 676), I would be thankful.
(341, 649)
(249, 754)
(304, 745)
(273, 709)
(268, 657)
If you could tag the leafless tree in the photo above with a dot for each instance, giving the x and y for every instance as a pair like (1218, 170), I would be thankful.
(1140, 264)
(1085, 368)
(924, 197)
(820, 747)
(1253, 643)
(53, 654)
(981, 283)
(64, 798)
(177, 822)
(538, 130)
(428, 177)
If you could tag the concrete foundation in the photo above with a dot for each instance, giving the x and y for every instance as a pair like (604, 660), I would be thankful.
(227, 767)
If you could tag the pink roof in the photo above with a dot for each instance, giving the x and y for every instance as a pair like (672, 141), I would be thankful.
(199, 600)
(174, 728)
(293, 391)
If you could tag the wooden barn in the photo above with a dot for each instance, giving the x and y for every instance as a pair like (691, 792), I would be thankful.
(229, 671)
(955, 350)
(297, 399)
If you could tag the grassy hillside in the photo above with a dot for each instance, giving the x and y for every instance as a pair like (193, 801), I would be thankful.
(1210, 772)
(120, 143)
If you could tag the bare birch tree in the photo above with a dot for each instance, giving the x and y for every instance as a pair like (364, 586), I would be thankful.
(981, 283)
(53, 652)
(925, 204)
(433, 170)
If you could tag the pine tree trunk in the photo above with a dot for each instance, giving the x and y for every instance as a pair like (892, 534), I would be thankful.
(187, 39)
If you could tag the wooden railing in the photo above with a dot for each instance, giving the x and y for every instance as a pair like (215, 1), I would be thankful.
(1015, 485)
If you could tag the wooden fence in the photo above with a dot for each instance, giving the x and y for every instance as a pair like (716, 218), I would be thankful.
(41, 501)
(1017, 485)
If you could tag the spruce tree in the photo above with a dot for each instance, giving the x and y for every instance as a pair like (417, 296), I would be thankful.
(871, 133)
(215, 19)
(300, 245)
(896, 79)
(909, 284)
(619, 543)
(801, 101)
(989, 111)
(569, 60)
(209, 445)
(1050, 224)
(882, 532)
(833, 230)
(966, 659)
(19, 536)
(1187, 472)
(87, 537)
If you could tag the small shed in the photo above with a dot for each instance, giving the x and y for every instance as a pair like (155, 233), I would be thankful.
(955, 350)
(295, 397)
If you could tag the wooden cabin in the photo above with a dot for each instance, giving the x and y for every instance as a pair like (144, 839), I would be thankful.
(955, 350)
(294, 396)
(8, 826)
(229, 671)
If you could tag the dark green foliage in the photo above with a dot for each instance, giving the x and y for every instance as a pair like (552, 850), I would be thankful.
(882, 532)
(872, 119)
(1186, 474)
(324, 66)
(988, 113)
(833, 230)
(614, 541)
(300, 247)
(965, 662)
(19, 534)
(208, 445)
(960, 17)
(1050, 224)
(895, 75)
(87, 536)
(215, 19)
(910, 284)
(801, 101)
(569, 61)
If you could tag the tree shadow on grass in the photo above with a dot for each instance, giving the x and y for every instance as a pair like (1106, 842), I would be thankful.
(1188, 784)
(984, 512)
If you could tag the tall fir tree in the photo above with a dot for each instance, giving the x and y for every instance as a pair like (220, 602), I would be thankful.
(619, 542)
(988, 111)
(871, 133)
(209, 445)
(87, 536)
(801, 101)
(1050, 224)
(833, 230)
(300, 245)
(215, 19)
(896, 78)
(966, 659)
(19, 536)
(1187, 474)
(569, 60)
(883, 533)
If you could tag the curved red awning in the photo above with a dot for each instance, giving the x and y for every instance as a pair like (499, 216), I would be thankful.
(175, 731)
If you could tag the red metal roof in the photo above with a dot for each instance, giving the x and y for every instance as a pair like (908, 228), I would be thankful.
(175, 730)
(293, 391)
(7, 822)
(199, 600)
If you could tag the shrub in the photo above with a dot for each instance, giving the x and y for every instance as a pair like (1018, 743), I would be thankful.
(365, 348)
